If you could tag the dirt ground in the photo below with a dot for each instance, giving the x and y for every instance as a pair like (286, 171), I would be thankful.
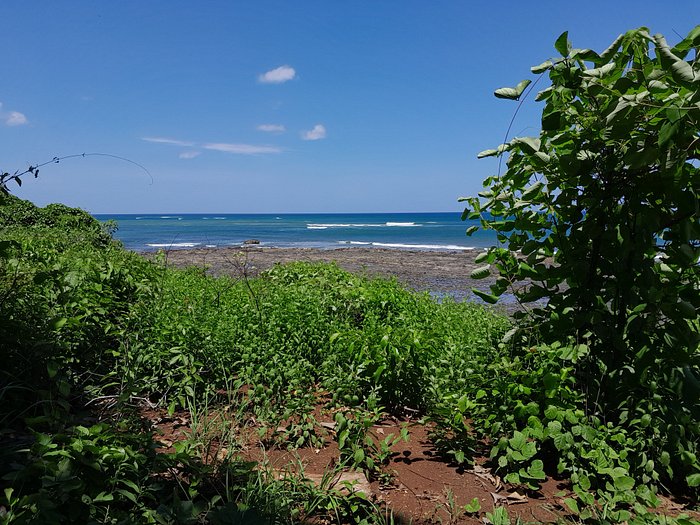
(423, 488)
(418, 487)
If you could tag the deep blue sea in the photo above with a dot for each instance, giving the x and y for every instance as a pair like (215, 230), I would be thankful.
(418, 231)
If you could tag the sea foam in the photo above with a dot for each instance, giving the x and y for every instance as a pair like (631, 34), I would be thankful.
(173, 245)
(409, 246)
(323, 226)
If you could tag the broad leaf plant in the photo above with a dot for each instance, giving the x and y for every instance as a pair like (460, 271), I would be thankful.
(597, 220)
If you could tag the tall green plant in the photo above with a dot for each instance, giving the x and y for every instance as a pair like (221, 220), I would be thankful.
(599, 223)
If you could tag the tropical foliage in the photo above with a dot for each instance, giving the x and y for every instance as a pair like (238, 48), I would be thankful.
(598, 220)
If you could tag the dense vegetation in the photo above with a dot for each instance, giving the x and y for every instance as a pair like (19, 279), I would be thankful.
(89, 332)
(599, 216)
(599, 386)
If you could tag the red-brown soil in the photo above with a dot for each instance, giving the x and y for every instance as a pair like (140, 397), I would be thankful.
(418, 484)
(418, 487)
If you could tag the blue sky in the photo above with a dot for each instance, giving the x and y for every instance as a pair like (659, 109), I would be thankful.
(279, 106)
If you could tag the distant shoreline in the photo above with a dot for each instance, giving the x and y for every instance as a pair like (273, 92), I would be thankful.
(441, 273)
(424, 231)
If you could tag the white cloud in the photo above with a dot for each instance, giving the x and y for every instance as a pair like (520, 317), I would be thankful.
(163, 140)
(317, 133)
(13, 118)
(16, 119)
(242, 149)
(278, 75)
(271, 128)
(190, 154)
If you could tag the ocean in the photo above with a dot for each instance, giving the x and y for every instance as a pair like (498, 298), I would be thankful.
(417, 231)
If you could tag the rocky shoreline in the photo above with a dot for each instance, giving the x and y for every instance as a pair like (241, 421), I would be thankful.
(441, 273)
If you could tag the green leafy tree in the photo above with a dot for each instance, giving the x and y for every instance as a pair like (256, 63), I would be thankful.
(598, 224)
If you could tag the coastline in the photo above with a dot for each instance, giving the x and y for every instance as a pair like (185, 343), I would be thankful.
(441, 273)
(441, 231)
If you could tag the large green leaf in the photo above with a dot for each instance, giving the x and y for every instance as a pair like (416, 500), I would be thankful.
(544, 94)
(532, 191)
(551, 120)
(480, 273)
(681, 71)
(562, 44)
(543, 156)
(623, 482)
(487, 153)
(514, 92)
(517, 442)
(693, 480)
(536, 470)
(484, 256)
(622, 105)
(584, 54)
(541, 68)
(690, 41)
(667, 132)
(610, 51)
(658, 86)
(486, 297)
(572, 505)
(531, 144)
(600, 72)
(492, 152)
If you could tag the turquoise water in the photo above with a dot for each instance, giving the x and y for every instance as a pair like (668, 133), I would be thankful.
(419, 231)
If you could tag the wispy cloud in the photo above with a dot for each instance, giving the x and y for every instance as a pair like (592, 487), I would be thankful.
(271, 128)
(164, 140)
(278, 75)
(242, 149)
(189, 154)
(13, 118)
(317, 133)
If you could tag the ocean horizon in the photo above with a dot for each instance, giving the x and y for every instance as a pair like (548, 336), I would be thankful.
(417, 231)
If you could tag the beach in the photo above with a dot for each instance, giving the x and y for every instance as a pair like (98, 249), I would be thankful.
(441, 273)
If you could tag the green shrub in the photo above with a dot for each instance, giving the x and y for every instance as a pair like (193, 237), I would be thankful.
(598, 217)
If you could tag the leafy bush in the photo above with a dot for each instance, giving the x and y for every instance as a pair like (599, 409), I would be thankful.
(15, 212)
(296, 328)
(94, 475)
(598, 220)
(64, 310)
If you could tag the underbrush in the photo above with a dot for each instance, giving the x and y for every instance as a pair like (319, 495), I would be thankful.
(91, 333)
